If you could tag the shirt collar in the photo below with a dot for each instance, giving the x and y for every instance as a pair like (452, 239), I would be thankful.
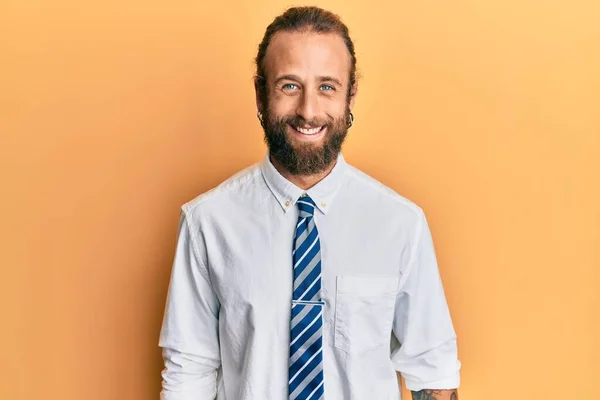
(287, 193)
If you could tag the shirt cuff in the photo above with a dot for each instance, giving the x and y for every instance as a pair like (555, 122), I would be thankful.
(448, 383)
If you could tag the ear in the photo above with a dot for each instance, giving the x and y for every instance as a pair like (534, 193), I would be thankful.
(353, 96)
(259, 104)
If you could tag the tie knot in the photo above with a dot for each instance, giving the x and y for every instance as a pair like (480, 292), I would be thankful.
(306, 206)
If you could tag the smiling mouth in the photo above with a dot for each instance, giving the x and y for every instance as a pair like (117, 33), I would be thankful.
(308, 131)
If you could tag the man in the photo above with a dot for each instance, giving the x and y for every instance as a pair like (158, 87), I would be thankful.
(301, 277)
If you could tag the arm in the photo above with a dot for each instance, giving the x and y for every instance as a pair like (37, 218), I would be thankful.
(189, 334)
(427, 354)
(435, 395)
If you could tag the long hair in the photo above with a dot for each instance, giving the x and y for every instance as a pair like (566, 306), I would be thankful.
(313, 19)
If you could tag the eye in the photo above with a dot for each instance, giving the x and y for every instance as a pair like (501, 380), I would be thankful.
(327, 87)
(289, 86)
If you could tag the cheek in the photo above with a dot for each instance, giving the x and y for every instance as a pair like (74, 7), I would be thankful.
(281, 105)
(337, 109)
(336, 102)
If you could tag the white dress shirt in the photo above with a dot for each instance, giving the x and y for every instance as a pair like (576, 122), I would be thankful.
(226, 328)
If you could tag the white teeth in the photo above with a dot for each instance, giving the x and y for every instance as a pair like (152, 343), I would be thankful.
(309, 131)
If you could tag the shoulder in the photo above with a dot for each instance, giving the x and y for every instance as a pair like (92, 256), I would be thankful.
(233, 188)
(374, 190)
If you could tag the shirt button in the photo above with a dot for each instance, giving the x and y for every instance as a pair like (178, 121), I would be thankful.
(324, 204)
(287, 203)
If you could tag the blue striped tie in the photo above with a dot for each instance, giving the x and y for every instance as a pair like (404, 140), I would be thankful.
(306, 340)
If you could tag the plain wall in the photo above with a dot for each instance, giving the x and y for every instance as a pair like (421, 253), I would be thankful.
(114, 113)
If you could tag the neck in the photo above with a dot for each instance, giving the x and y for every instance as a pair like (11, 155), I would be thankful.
(304, 182)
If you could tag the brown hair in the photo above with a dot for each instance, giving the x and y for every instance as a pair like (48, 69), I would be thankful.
(303, 19)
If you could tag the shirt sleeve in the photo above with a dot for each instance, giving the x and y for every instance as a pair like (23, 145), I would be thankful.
(189, 334)
(427, 355)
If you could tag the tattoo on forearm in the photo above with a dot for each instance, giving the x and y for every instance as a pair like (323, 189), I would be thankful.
(428, 394)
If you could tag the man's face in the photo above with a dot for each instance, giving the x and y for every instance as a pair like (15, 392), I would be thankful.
(307, 110)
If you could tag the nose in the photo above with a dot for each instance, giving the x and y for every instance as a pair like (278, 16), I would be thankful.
(308, 106)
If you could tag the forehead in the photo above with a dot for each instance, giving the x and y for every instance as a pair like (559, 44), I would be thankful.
(307, 54)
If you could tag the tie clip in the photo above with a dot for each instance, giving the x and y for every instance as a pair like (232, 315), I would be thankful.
(318, 302)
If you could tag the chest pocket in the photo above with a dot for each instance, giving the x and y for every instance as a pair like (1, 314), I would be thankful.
(364, 312)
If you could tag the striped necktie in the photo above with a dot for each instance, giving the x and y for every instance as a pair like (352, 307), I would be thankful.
(306, 339)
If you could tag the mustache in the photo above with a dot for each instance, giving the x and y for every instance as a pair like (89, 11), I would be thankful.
(298, 121)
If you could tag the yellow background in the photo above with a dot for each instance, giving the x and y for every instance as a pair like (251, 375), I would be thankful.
(113, 114)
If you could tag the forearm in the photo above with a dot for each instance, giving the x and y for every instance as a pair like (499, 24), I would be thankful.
(428, 394)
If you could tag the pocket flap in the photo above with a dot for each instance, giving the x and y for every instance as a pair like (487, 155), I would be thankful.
(366, 285)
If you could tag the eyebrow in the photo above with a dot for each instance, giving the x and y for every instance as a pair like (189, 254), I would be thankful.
(296, 78)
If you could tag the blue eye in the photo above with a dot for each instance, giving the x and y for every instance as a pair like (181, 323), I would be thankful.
(289, 86)
(327, 87)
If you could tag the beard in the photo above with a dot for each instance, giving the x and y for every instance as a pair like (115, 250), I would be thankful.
(306, 158)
